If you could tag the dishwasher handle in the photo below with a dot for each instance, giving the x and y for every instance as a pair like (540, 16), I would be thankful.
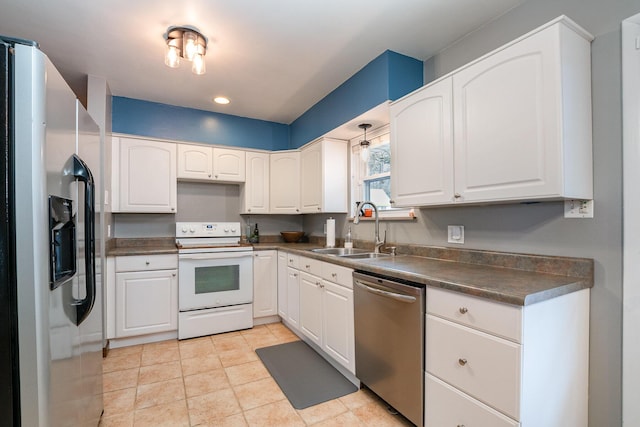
(398, 297)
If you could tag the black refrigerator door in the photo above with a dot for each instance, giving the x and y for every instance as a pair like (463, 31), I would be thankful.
(9, 380)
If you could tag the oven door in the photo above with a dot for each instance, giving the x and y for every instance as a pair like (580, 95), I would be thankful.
(208, 280)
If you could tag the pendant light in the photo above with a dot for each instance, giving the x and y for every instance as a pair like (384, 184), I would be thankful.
(188, 43)
(364, 144)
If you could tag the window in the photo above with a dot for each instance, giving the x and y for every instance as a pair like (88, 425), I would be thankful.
(372, 180)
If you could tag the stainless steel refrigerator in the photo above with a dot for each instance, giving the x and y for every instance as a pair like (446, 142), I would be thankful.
(50, 303)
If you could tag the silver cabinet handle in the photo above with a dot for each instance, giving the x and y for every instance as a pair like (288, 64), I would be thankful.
(462, 362)
(463, 310)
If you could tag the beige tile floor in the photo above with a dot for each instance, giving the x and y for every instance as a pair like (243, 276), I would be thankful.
(219, 381)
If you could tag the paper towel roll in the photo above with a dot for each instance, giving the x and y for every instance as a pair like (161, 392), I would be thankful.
(331, 233)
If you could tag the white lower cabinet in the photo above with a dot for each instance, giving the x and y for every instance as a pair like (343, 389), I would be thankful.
(326, 312)
(146, 295)
(450, 407)
(315, 298)
(337, 324)
(311, 307)
(495, 364)
(288, 289)
(265, 283)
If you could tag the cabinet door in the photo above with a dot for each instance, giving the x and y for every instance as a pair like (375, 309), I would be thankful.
(254, 194)
(228, 165)
(147, 176)
(282, 285)
(265, 283)
(284, 188)
(311, 307)
(422, 147)
(338, 329)
(311, 179)
(507, 115)
(293, 298)
(146, 302)
(195, 162)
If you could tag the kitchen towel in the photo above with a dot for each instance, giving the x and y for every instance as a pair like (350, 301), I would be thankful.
(331, 233)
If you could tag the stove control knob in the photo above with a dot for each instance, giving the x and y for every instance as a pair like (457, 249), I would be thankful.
(226, 230)
(192, 230)
(233, 230)
(184, 229)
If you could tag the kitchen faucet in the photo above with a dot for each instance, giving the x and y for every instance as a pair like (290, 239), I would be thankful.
(356, 220)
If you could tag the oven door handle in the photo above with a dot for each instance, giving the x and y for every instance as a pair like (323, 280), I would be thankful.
(215, 255)
(386, 294)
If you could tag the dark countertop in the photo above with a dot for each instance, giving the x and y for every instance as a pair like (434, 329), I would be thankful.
(518, 279)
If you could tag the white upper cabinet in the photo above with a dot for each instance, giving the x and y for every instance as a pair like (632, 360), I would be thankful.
(145, 172)
(521, 126)
(195, 162)
(254, 194)
(422, 147)
(200, 163)
(323, 176)
(228, 165)
(284, 189)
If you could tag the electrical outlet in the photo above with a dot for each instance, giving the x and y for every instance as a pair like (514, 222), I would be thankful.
(578, 208)
(455, 234)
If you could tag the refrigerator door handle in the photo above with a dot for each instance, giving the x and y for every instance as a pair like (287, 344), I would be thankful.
(82, 173)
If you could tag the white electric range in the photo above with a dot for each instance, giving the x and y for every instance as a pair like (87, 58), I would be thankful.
(215, 275)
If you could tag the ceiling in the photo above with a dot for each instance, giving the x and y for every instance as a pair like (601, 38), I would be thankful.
(273, 58)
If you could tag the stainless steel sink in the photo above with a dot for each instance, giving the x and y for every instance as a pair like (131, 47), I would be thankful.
(365, 255)
(339, 251)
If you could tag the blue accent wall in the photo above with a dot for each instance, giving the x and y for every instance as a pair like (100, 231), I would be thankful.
(388, 77)
(144, 118)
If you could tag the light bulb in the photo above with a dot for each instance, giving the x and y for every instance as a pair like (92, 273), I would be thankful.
(364, 153)
(172, 57)
(198, 66)
(190, 41)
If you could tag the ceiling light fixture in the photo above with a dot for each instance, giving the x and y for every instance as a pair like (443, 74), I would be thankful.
(364, 144)
(221, 100)
(188, 43)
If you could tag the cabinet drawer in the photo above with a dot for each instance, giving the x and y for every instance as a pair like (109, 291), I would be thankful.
(337, 274)
(293, 261)
(448, 406)
(495, 318)
(311, 266)
(484, 366)
(146, 262)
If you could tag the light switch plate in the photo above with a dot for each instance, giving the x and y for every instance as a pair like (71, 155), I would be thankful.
(455, 234)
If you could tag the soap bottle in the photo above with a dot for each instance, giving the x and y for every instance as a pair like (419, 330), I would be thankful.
(256, 235)
(348, 243)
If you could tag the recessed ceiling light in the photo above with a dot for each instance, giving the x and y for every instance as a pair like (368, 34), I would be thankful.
(221, 100)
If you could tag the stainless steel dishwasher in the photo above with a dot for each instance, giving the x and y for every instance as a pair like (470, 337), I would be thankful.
(389, 334)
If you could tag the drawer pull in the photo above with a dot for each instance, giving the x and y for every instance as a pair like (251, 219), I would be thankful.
(307, 266)
(460, 425)
(463, 310)
(334, 275)
(462, 362)
(147, 262)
